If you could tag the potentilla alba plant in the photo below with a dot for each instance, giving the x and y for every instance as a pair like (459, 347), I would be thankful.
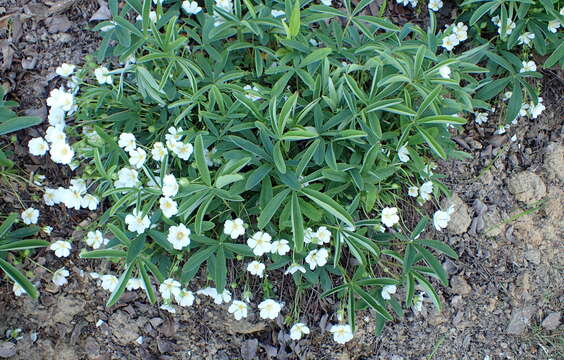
(270, 139)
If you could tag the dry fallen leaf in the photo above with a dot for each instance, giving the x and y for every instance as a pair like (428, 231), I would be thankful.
(103, 13)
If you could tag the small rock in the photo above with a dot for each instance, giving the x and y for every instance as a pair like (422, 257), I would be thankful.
(520, 319)
(460, 219)
(57, 24)
(123, 328)
(249, 349)
(534, 256)
(7, 349)
(460, 286)
(493, 223)
(155, 322)
(552, 321)
(66, 309)
(554, 161)
(527, 187)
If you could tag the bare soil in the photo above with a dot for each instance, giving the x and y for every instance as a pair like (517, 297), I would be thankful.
(506, 293)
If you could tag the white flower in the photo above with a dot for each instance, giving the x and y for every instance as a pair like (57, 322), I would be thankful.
(71, 198)
(435, 5)
(183, 150)
(168, 207)
(507, 95)
(441, 218)
(553, 26)
(481, 117)
(38, 147)
(133, 284)
(191, 7)
(269, 309)
(54, 135)
(103, 76)
(387, 290)
(403, 154)
(168, 308)
(250, 92)
(61, 153)
(407, 2)
(89, 202)
(426, 190)
(460, 30)
(326, 2)
(174, 134)
(321, 236)
(234, 228)
(449, 42)
(95, 239)
(60, 277)
(60, 99)
(277, 13)
(47, 229)
(109, 282)
(218, 298)
(18, 290)
(170, 186)
(238, 309)
(126, 178)
(341, 333)
(30, 216)
(56, 118)
(390, 216)
(226, 5)
(525, 38)
(413, 191)
(169, 288)
(418, 302)
(137, 158)
(444, 71)
(127, 141)
(51, 197)
(61, 248)
(528, 66)
(293, 268)
(280, 247)
(179, 236)
(317, 257)
(256, 268)
(308, 235)
(65, 70)
(136, 222)
(78, 185)
(298, 330)
(509, 28)
(260, 242)
(536, 110)
(159, 151)
(185, 298)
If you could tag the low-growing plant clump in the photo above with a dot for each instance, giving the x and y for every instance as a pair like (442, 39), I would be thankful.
(287, 139)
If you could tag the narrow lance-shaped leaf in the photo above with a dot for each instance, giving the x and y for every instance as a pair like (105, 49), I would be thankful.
(19, 278)
(297, 224)
(329, 205)
(201, 160)
(120, 287)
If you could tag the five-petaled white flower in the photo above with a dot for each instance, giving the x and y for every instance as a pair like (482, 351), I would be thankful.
(234, 228)
(159, 151)
(441, 218)
(298, 330)
(341, 333)
(89, 202)
(168, 207)
(127, 178)
(321, 236)
(238, 309)
(553, 26)
(413, 191)
(30, 216)
(390, 216)
(18, 289)
(169, 288)
(61, 153)
(60, 277)
(435, 5)
(260, 242)
(403, 154)
(183, 150)
(95, 239)
(133, 284)
(387, 291)
(103, 76)
(137, 158)
(61, 248)
(60, 99)
(426, 190)
(179, 236)
(109, 282)
(481, 117)
(528, 66)
(191, 7)
(38, 147)
(449, 42)
(136, 222)
(218, 298)
(444, 71)
(526, 38)
(256, 268)
(317, 258)
(250, 92)
(65, 70)
(127, 141)
(170, 186)
(269, 309)
(54, 135)
(293, 268)
(184, 298)
(280, 247)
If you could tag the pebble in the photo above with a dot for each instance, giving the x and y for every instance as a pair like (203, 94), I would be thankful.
(552, 321)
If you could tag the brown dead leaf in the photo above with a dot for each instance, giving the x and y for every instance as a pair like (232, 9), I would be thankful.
(58, 7)
(57, 24)
(7, 54)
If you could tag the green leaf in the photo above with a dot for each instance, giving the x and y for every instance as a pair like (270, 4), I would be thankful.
(434, 263)
(257, 175)
(480, 11)
(439, 246)
(103, 254)
(220, 270)
(278, 158)
(120, 235)
(148, 287)
(295, 21)
(120, 287)
(442, 119)
(297, 224)
(201, 160)
(316, 55)
(18, 277)
(432, 142)
(135, 248)
(225, 180)
(18, 123)
(270, 209)
(555, 57)
(429, 290)
(23, 245)
(514, 105)
(372, 302)
(329, 205)
(191, 266)
(7, 224)
(429, 99)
